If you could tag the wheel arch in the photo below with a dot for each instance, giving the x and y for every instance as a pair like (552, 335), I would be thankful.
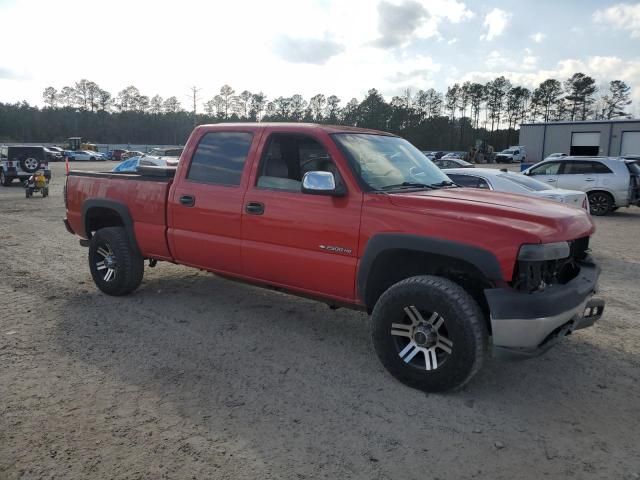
(390, 258)
(99, 213)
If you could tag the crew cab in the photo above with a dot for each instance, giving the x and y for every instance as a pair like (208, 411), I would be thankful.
(356, 218)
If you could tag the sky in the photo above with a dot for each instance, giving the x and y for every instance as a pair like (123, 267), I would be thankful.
(282, 47)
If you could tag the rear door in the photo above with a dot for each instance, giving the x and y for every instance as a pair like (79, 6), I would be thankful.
(296, 240)
(546, 172)
(205, 204)
(585, 175)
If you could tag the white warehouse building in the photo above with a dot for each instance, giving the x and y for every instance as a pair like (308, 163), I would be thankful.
(592, 137)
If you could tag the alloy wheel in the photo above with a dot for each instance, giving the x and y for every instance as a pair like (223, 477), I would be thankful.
(106, 263)
(422, 341)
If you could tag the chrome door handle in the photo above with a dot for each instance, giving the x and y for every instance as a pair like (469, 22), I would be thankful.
(590, 179)
(551, 180)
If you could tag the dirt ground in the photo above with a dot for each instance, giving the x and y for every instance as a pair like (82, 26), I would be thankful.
(196, 377)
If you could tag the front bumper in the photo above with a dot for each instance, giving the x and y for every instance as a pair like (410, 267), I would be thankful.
(528, 324)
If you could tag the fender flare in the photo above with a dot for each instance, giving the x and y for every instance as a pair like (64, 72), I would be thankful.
(120, 208)
(484, 260)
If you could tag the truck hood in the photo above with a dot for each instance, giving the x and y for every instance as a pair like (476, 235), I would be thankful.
(544, 220)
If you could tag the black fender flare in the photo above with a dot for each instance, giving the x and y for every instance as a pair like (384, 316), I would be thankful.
(484, 260)
(120, 208)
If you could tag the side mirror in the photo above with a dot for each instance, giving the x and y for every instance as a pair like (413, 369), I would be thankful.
(321, 183)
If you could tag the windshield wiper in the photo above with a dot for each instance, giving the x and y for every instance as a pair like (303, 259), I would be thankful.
(408, 185)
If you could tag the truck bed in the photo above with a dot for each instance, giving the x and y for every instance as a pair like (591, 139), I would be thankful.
(144, 194)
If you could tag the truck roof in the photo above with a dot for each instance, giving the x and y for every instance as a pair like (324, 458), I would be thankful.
(295, 127)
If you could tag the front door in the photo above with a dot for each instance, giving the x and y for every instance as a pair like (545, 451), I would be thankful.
(300, 241)
(205, 206)
(547, 173)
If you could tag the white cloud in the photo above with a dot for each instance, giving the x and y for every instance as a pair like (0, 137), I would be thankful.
(401, 21)
(452, 41)
(537, 37)
(495, 22)
(622, 16)
(495, 59)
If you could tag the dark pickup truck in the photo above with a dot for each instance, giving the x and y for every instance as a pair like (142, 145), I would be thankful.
(355, 218)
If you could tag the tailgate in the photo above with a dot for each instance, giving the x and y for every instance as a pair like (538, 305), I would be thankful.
(141, 198)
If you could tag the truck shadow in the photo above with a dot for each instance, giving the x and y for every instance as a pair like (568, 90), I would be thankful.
(286, 375)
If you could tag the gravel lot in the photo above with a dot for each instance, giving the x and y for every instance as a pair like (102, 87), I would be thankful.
(193, 376)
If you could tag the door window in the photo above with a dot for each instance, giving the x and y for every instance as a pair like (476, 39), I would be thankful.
(220, 158)
(550, 168)
(584, 168)
(288, 158)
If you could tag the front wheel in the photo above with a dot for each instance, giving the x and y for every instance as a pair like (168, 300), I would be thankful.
(429, 333)
(116, 267)
(600, 203)
(4, 180)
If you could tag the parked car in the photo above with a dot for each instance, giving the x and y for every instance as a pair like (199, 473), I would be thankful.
(169, 155)
(453, 155)
(115, 155)
(18, 161)
(430, 155)
(609, 182)
(452, 163)
(511, 182)
(555, 156)
(512, 155)
(340, 214)
(53, 155)
(85, 155)
(130, 154)
(132, 164)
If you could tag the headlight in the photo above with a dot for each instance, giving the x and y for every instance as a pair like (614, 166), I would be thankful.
(544, 251)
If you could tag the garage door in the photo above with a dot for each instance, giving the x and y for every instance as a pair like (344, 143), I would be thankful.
(585, 143)
(630, 143)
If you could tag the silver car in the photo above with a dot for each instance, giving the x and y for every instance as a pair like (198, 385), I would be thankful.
(511, 182)
(609, 182)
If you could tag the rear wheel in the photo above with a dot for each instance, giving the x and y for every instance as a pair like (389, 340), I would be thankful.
(28, 192)
(600, 203)
(429, 333)
(116, 267)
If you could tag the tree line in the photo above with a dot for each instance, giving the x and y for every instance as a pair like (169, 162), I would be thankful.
(453, 120)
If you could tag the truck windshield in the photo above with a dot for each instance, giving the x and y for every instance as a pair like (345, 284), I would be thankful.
(386, 163)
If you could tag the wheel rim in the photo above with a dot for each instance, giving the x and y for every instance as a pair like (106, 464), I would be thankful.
(31, 163)
(106, 264)
(422, 339)
(599, 203)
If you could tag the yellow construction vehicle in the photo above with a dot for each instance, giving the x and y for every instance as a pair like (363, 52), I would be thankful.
(75, 144)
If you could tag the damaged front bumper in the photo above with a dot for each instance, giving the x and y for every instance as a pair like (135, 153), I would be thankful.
(528, 324)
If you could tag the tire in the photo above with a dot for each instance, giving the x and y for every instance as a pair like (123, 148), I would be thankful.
(111, 246)
(600, 203)
(4, 180)
(92, 159)
(29, 164)
(45, 192)
(28, 192)
(408, 309)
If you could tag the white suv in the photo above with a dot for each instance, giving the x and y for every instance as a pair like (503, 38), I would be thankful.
(22, 162)
(610, 182)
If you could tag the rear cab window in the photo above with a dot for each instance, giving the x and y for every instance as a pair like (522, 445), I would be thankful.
(470, 181)
(220, 158)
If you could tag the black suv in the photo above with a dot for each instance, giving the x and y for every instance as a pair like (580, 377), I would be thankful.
(22, 162)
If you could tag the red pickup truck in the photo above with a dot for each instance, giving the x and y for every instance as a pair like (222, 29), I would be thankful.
(356, 218)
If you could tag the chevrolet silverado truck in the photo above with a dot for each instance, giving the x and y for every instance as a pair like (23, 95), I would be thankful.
(356, 218)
